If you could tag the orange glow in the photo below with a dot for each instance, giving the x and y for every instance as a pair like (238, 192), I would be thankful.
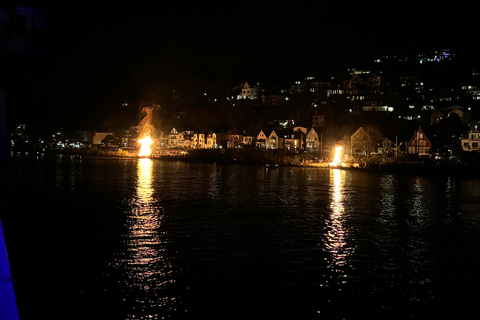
(337, 160)
(145, 149)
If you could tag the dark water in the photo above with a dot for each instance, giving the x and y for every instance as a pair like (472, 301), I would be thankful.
(97, 238)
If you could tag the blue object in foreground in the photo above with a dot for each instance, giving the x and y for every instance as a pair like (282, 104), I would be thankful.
(8, 309)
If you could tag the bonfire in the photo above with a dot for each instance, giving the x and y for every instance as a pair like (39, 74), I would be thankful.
(145, 150)
(337, 160)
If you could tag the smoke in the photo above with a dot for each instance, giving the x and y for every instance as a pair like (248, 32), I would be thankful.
(150, 121)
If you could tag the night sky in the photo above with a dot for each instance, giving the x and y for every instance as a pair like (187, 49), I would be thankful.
(96, 54)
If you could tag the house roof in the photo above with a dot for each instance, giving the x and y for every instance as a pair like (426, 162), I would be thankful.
(453, 108)
(360, 131)
(312, 131)
(414, 136)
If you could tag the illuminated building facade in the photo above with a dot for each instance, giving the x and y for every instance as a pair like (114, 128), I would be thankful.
(248, 92)
(419, 143)
(472, 142)
(261, 140)
(274, 141)
(313, 141)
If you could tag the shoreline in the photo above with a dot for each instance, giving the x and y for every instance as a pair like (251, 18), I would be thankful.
(274, 159)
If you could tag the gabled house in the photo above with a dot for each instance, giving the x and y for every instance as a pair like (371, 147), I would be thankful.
(454, 110)
(274, 141)
(385, 146)
(261, 141)
(419, 143)
(180, 139)
(312, 141)
(359, 142)
(362, 84)
(173, 138)
(248, 92)
(301, 129)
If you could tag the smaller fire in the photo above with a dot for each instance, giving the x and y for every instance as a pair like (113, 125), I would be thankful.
(337, 161)
(145, 149)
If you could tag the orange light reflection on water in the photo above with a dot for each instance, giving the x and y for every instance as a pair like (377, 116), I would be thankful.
(148, 270)
(144, 182)
(335, 233)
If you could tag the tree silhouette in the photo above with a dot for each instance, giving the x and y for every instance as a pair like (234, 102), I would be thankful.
(375, 136)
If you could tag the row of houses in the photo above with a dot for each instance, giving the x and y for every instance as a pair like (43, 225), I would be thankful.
(361, 143)
(296, 139)
(364, 144)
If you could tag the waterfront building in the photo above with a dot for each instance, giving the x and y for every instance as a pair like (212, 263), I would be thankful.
(261, 140)
(274, 141)
(198, 140)
(295, 141)
(359, 142)
(471, 142)
(419, 143)
(312, 141)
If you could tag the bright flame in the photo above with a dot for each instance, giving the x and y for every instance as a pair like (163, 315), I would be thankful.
(145, 149)
(337, 161)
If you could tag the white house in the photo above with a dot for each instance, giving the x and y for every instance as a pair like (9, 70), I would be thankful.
(181, 139)
(471, 142)
(248, 92)
(274, 141)
(385, 146)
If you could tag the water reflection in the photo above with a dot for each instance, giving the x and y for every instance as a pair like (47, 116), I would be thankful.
(388, 200)
(335, 233)
(144, 181)
(147, 269)
(420, 204)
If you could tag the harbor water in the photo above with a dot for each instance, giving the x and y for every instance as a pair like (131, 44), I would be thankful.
(112, 238)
